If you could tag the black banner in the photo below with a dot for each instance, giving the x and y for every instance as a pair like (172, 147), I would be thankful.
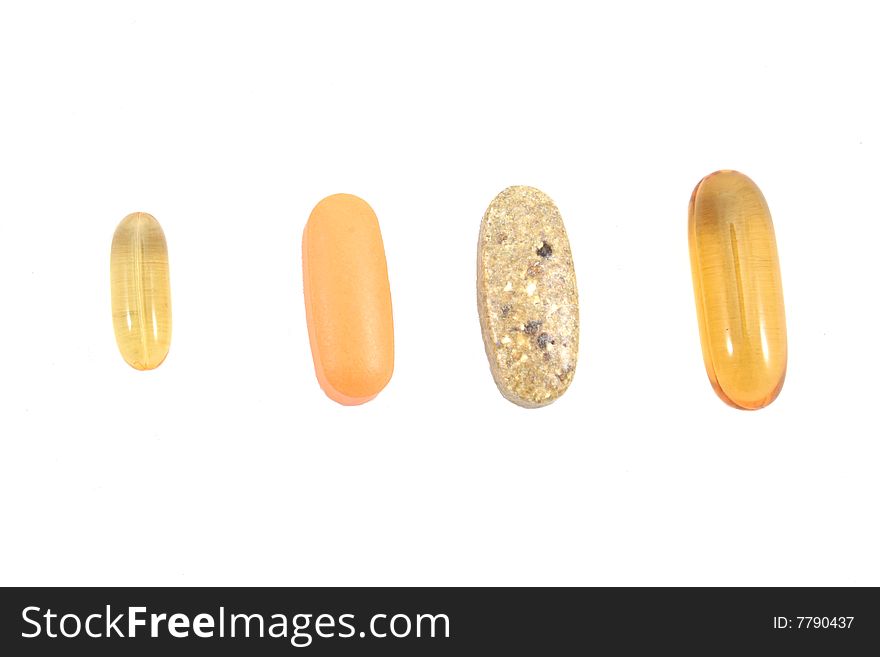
(446, 621)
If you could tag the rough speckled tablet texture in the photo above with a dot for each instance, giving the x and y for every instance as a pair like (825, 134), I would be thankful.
(527, 297)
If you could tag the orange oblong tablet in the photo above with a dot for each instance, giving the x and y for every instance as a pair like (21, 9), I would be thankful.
(348, 299)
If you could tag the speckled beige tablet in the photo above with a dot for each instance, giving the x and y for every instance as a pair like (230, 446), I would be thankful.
(527, 297)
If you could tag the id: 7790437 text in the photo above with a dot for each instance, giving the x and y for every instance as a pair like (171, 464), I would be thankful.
(813, 622)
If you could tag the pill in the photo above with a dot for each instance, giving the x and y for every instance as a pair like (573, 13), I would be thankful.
(348, 299)
(140, 291)
(738, 290)
(527, 297)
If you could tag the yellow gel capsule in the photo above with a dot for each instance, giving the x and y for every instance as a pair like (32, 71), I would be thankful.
(738, 290)
(140, 291)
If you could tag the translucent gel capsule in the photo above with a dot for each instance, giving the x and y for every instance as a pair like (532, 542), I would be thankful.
(140, 291)
(738, 290)
(348, 299)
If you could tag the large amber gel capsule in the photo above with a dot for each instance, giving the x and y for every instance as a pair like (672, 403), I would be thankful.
(140, 291)
(738, 289)
(348, 299)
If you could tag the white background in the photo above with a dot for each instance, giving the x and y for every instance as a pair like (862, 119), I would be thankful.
(229, 121)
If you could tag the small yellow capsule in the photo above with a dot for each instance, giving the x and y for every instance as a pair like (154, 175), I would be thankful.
(140, 291)
(738, 290)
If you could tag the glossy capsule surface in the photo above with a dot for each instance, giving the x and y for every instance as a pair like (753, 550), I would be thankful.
(347, 299)
(140, 291)
(738, 290)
